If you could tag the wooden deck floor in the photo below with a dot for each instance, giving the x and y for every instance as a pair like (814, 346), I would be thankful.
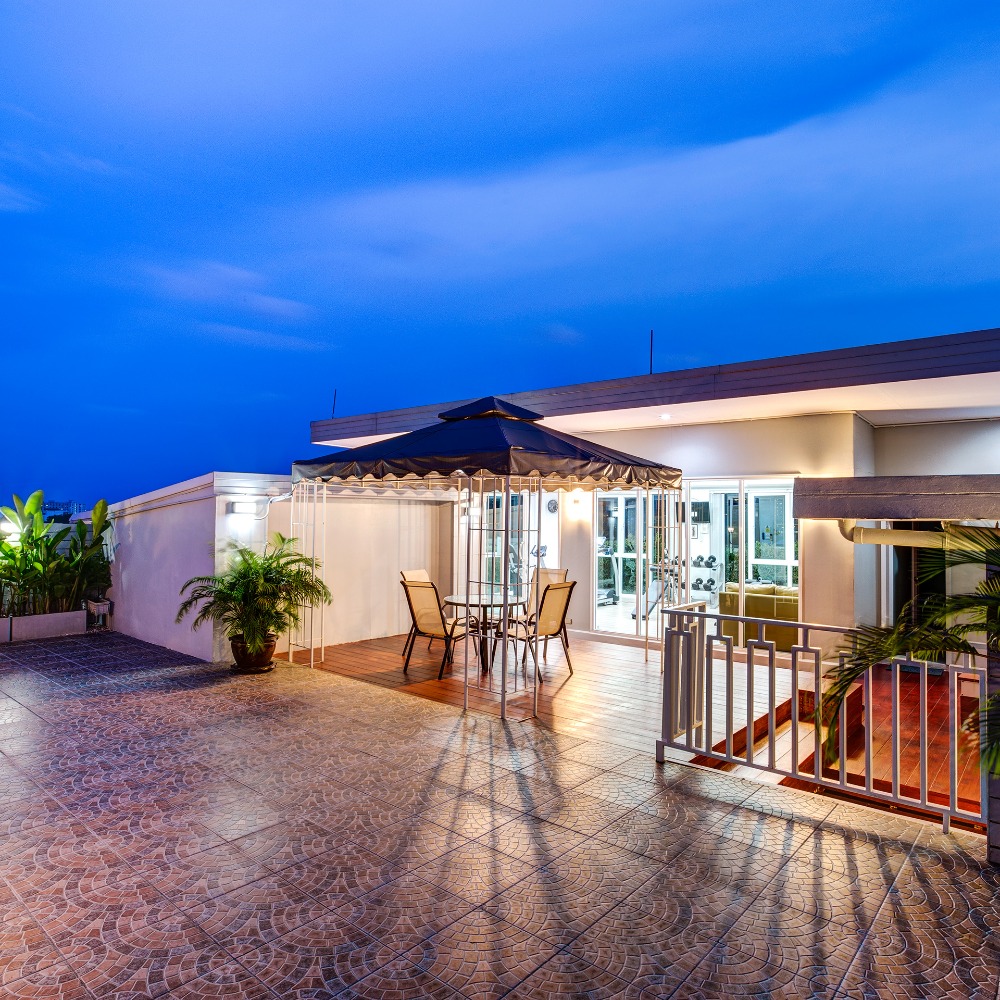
(614, 696)
(938, 737)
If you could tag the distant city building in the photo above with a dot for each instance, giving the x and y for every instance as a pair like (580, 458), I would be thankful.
(61, 510)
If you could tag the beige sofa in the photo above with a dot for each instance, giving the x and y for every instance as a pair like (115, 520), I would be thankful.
(763, 600)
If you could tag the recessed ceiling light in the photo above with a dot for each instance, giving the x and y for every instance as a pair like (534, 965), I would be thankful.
(664, 416)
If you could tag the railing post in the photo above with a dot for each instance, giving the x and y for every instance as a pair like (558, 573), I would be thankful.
(666, 667)
(993, 806)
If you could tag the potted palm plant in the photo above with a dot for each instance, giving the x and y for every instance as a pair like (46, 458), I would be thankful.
(256, 599)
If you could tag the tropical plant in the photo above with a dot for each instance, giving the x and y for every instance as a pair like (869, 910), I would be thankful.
(933, 628)
(259, 595)
(86, 557)
(47, 568)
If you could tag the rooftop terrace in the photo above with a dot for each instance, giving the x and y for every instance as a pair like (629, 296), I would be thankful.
(171, 830)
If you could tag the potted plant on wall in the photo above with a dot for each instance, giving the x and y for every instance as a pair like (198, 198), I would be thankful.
(256, 599)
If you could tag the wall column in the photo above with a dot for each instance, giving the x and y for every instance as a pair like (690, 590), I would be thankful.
(993, 785)
(993, 813)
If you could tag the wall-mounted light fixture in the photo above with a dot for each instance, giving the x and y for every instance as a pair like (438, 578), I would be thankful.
(241, 507)
(576, 509)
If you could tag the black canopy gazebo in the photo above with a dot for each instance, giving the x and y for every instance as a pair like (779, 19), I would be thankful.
(495, 460)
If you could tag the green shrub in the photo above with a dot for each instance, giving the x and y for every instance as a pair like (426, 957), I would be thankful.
(45, 570)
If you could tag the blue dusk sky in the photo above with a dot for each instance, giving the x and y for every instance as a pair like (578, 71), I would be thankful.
(214, 214)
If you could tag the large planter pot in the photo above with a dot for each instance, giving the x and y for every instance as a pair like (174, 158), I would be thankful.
(252, 663)
(21, 629)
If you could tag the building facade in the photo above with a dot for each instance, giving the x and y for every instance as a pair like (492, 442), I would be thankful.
(743, 434)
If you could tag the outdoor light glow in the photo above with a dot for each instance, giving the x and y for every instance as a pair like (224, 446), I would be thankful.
(664, 416)
(241, 507)
(576, 510)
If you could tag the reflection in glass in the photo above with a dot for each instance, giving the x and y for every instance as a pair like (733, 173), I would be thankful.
(619, 571)
(713, 540)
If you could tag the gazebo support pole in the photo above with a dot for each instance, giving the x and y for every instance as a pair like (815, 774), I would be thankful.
(534, 610)
(646, 497)
(505, 617)
(322, 576)
(312, 555)
(468, 577)
(662, 530)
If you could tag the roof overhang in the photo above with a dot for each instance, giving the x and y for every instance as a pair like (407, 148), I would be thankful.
(899, 498)
(933, 379)
(233, 485)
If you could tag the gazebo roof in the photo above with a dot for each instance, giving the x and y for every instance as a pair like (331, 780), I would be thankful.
(489, 437)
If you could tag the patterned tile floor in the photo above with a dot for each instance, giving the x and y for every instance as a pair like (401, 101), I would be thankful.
(170, 830)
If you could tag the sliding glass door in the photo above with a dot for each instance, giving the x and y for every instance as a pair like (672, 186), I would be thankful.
(740, 553)
(773, 555)
(743, 555)
(618, 529)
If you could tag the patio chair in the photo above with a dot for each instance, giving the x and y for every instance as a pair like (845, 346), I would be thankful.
(543, 578)
(550, 622)
(430, 621)
(420, 576)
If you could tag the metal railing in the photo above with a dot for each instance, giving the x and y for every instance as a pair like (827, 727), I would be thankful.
(744, 692)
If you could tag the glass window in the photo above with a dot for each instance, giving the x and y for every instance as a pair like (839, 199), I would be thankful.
(737, 533)
(741, 534)
(629, 534)
(772, 549)
(617, 530)
(714, 542)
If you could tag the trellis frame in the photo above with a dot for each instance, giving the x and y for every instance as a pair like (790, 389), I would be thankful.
(314, 502)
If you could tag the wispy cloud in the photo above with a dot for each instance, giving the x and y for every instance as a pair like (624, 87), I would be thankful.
(268, 339)
(898, 190)
(36, 158)
(220, 284)
(562, 333)
(14, 200)
(21, 112)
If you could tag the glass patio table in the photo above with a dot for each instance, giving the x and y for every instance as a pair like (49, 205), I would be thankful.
(486, 600)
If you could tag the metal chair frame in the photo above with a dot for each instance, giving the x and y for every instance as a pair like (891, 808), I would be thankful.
(527, 629)
(450, 630)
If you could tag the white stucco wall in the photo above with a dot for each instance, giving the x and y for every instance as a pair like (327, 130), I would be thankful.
(866, 557)
(164, 538)
(966, 447)
(817, 445)
(838, 585)
(576, 554)
(156, 551)
(369, 540)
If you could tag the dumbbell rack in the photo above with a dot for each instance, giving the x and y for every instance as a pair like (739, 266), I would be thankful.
(706, 581)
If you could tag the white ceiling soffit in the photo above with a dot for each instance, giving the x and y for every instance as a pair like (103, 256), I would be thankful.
(954, 397)
(958, 397)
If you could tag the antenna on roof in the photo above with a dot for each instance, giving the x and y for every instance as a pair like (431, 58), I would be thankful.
(333, 412)
(650, 352)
